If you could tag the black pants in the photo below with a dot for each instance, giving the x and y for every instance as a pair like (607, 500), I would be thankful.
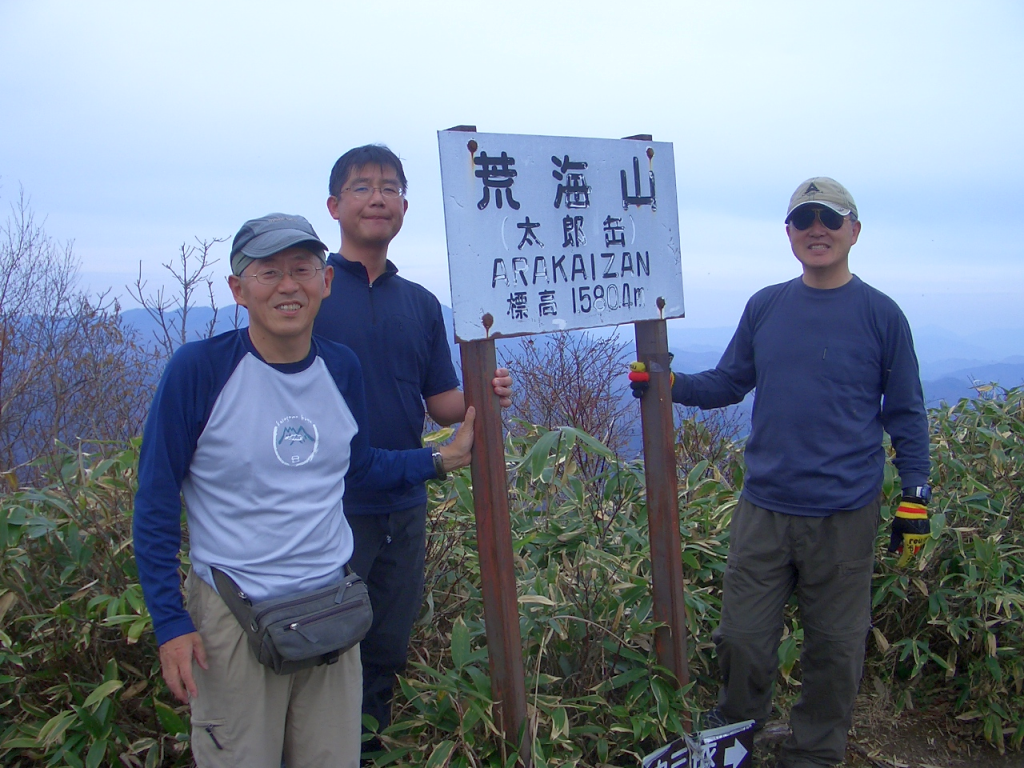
(388, 554)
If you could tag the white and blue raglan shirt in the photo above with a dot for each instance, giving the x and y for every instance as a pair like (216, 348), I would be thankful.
(261, 454)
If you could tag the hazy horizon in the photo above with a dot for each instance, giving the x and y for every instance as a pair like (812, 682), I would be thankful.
(134, 128)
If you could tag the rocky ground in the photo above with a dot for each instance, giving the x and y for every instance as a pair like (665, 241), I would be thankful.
(880, 739)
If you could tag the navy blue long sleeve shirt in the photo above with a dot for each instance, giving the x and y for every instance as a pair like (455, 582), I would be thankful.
(831, 370)
(396, 329)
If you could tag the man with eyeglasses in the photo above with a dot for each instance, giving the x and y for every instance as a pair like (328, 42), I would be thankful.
(396, 329)
(832, 364)
(262, 430)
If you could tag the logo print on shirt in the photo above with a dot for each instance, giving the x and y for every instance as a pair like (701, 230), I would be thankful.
(296, 440)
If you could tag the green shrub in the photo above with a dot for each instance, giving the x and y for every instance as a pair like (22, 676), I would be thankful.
(946, 628)
(79, 676)
(952, 626)
(596, 694)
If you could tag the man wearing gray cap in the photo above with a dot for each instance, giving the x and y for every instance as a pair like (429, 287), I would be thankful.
(261, 430)
(832, 364)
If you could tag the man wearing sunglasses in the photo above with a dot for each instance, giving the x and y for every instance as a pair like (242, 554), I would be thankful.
(832, 363)
(396, 329)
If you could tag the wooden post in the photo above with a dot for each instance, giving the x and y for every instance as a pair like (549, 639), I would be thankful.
(663, 500)
(494, 543)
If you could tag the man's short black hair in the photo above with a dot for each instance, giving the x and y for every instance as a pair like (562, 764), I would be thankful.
(370, 154)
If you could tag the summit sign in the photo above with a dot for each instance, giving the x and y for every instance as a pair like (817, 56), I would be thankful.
(549, 233)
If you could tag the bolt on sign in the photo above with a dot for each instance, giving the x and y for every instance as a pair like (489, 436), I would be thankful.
(548, 233)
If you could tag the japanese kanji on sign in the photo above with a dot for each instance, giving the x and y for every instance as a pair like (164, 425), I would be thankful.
(548, 233)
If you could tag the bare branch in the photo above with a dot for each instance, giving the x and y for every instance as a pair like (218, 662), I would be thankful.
(69, 369)
(575, 379)
(191, 273)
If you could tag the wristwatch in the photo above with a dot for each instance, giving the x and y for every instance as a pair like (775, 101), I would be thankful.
(435, 453)
(922, 492)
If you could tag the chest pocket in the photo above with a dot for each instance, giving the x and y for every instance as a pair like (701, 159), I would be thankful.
(405, 349)
(852, 365)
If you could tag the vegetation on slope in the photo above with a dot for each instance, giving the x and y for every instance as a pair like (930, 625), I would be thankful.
(80, 683)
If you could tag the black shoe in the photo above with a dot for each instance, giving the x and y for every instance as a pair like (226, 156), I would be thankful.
(715, 718)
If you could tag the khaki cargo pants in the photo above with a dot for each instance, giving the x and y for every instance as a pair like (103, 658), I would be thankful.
(248, 716)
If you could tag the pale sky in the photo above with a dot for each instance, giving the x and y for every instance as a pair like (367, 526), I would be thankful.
(134, 127)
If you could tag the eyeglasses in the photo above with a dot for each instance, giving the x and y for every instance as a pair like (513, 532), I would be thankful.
(803, 218)
(363, 191)
(300, 274)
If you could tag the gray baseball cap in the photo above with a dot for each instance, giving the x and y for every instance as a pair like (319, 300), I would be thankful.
(822, 190)
(270, 234)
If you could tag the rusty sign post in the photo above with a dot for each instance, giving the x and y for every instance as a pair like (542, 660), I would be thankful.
(662, 500)
(662, 495)
(549, 234)
(494, 542)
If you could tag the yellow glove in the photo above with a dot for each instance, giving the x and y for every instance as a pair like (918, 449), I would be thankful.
(910, 530)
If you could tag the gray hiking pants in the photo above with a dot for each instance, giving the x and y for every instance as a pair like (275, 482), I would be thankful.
(828, 562)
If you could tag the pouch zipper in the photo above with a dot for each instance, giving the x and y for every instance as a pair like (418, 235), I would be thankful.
(259, 617)
(325, 614)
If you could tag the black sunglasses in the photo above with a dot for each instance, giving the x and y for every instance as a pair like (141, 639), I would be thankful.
(803, 218)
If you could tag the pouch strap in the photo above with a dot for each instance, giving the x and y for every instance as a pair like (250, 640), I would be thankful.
(236, 600)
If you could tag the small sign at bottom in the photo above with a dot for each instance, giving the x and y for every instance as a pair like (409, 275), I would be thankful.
(727, 747)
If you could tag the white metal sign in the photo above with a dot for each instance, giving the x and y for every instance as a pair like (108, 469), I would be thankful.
(548, 233)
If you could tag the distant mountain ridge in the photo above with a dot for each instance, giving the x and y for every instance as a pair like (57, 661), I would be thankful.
(198, 321)
(951, 364)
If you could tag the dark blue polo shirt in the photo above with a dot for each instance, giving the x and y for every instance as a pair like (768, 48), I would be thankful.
(396, 329)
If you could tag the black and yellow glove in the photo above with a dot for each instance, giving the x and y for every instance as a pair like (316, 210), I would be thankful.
(640, 379)
(910, 529)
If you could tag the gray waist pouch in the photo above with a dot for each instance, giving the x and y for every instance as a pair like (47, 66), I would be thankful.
(301, 630)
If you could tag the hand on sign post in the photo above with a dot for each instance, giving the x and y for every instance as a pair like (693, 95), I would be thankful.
(640, 378)
(502, 385)
(459, 452)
